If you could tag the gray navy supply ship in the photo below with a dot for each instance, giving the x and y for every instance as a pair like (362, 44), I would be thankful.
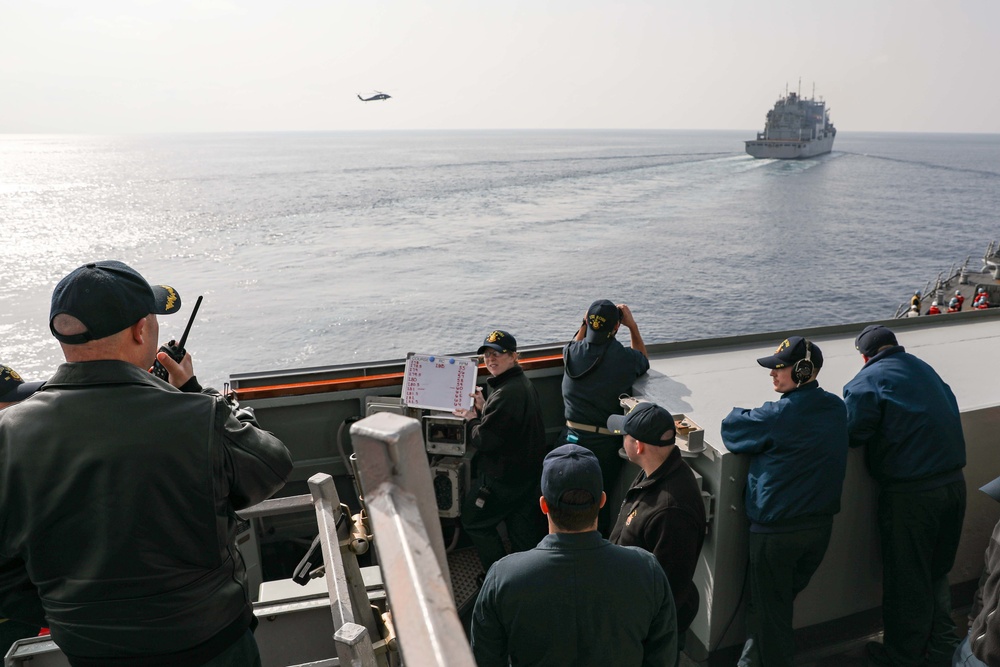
(795, 128)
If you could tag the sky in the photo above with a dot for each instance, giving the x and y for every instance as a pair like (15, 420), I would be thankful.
(124, 66)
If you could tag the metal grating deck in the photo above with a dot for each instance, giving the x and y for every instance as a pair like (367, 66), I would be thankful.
(465, 569)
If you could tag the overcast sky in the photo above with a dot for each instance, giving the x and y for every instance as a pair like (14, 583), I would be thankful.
(273, 65)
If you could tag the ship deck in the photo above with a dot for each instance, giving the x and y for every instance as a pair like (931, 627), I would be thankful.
(968, 289)
(702, 379)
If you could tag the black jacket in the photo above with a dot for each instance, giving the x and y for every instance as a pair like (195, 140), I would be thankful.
(509, 436)
(118, 492)
(665, 515)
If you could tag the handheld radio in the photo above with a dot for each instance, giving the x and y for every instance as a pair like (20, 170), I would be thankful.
(173, 348)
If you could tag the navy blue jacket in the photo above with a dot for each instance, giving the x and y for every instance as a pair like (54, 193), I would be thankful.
(908, 418)
(798, 446)
(595, 376)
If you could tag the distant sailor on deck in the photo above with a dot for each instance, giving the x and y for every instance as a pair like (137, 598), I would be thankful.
(958, 297)
(507, 432)
(597, 370)
(935, 309)
(907, 419)
(798, 458)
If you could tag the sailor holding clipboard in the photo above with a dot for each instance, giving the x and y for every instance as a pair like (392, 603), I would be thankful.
(507, 432)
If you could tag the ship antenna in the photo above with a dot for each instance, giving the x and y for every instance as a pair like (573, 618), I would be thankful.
(800, 87)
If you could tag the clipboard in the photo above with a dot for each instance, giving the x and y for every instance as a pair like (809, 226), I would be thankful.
(435, 382)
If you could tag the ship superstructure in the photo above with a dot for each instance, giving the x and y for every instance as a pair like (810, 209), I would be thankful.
(387, 545)
(795, 128)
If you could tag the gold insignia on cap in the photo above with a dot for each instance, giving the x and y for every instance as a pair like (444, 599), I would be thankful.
(596, 321)
(11, 373)
(494, 337)
(171, 296)
(784, 344)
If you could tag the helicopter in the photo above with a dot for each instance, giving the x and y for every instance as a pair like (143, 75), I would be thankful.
(374, 98)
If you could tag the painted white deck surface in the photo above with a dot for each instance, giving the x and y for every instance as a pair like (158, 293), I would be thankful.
(705, 384)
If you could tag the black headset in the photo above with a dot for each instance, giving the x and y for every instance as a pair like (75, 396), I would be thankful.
(803, 369)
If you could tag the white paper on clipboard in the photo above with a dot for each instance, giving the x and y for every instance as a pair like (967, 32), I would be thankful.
(437, 382)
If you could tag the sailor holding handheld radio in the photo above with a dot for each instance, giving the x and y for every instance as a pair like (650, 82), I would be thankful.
(174, 351)
(141, 477)
(508, 435)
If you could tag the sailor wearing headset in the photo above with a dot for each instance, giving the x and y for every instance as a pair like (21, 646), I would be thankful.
(798, 456)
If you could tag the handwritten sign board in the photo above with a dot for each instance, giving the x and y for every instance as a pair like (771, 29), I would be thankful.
(438, 383)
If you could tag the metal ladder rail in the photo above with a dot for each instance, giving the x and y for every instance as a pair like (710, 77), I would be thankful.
(396, 483)
(358, 640)
(353, 619)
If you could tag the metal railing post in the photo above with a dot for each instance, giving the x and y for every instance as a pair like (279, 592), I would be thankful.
(348, 598)
(396, 483)
(354, 646)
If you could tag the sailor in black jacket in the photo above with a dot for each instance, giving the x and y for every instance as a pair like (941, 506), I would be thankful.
(663, 511)
(118, 490)
(508, 435)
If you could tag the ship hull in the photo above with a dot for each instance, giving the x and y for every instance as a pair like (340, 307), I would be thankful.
(788, 150)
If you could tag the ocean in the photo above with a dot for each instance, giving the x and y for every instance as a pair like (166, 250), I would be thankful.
(327, 248)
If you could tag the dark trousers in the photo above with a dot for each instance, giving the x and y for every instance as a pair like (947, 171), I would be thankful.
(511, 502)
(605, 448)
(919, 532)
(781, 565)
(242, 653)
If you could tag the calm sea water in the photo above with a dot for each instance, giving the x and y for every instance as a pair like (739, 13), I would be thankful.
(328, 248)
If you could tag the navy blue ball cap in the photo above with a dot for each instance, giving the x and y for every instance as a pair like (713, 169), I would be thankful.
(646, 422)
(13, 388)
(498, 340)
(108, 297)
(571, 468)
(602, 318)
(792, 349)
(872, 338)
